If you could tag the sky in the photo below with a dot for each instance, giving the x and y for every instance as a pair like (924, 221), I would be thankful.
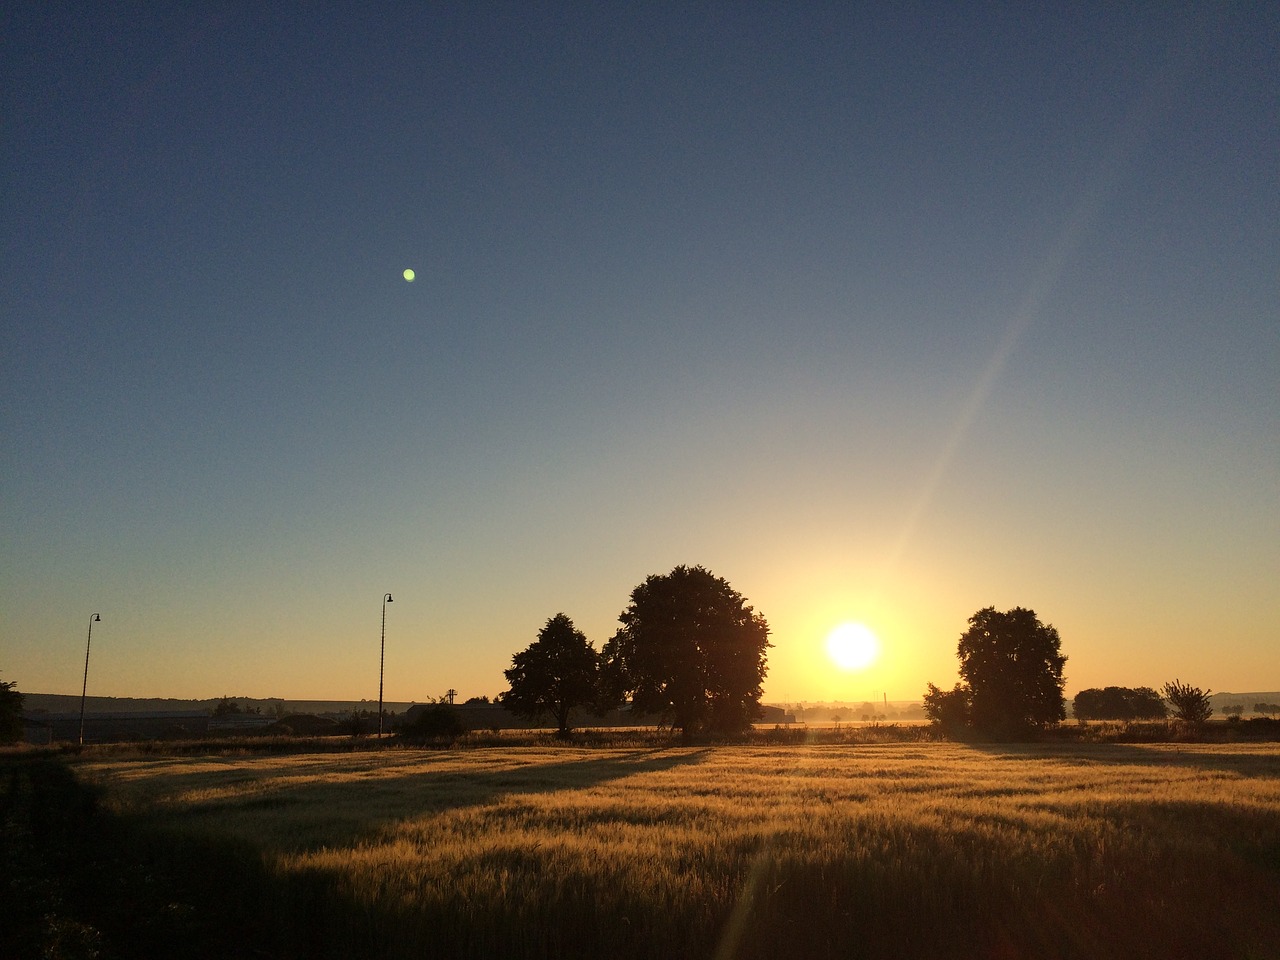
(884, 313)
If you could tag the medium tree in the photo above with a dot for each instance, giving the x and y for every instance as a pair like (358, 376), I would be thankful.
(1190, 704)
(1119, 703)
(555, 675)
(10, 712)
(1012, 665)
(691, 648)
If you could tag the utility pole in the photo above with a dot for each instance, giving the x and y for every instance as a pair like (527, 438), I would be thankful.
(84, 688)
(382, 659)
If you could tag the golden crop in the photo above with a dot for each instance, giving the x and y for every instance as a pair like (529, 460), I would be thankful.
(894, 850)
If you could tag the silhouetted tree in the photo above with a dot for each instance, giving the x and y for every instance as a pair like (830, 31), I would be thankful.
(10, 712)
(554, 676)
(1010, 672)
(1147, 704)
(948, 709)
(1190, 704)
(1119, 703)
(433, 721)
(690, 647)
(1266, 709)
(1013, 665)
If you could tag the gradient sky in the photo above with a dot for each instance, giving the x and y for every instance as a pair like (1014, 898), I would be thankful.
(883, 312)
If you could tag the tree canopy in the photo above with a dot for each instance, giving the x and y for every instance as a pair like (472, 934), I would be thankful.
(1010, 675)
(691, 648)
(1119, 703)
(556, 674)
(1013, 665)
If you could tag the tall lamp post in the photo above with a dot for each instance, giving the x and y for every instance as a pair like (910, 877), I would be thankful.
(382, 659)
(92, 620)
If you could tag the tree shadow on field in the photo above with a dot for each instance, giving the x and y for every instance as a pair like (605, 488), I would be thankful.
(357, 799)
(195, 880)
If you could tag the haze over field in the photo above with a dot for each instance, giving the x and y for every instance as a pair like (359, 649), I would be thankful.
(884, 315)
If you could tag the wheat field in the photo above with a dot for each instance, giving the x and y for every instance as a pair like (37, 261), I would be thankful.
(880, 850)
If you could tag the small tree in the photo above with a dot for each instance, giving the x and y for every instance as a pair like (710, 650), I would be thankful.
(555, 675)
(948, 710)
(1190, 704)
(10, 712)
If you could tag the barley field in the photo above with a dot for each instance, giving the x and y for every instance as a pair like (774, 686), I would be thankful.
(822, 851)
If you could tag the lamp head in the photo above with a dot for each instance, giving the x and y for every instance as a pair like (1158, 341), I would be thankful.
(387, 599)
(96, 618)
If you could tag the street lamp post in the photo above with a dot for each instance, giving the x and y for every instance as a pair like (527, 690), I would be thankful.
(382, 659)
(92, 620)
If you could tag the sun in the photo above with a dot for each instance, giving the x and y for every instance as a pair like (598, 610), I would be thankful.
(852, 646)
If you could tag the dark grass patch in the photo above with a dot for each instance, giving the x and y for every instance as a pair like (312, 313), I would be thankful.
(79, 882)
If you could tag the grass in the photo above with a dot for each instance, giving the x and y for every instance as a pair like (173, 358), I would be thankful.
(753, 850)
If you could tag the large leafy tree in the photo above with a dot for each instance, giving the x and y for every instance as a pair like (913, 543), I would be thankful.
(691, 648)
(10, 712)
(555, 675)
(1012, 665)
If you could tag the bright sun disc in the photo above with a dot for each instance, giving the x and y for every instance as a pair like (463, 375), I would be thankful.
(852, 646)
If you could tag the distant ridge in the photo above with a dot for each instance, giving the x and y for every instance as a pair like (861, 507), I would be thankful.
(61, 703)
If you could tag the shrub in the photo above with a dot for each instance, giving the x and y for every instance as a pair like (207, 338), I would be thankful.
(433, 721)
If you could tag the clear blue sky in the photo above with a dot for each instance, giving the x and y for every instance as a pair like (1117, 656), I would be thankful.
(883, 312)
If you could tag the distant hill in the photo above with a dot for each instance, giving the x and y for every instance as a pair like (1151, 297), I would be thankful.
(60, 703)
